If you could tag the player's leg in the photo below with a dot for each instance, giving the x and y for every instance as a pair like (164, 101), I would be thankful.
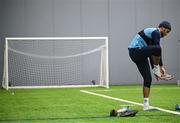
(141, 54)
(155, 53)
(144, 69)
(156, 69)
(165, 75)
(145, 72)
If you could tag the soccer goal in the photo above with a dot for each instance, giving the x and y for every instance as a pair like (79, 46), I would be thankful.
(55, 62)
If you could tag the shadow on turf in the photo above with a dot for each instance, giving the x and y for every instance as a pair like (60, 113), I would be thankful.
(74, 118)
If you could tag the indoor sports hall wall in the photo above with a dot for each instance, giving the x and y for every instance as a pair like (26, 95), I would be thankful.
(117, 19)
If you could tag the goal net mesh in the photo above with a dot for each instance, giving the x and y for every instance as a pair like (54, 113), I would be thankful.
(54, 62)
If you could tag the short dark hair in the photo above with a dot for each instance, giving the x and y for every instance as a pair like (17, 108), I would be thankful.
(165, 24)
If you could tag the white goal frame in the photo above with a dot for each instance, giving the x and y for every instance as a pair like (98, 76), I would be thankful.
(104, 64)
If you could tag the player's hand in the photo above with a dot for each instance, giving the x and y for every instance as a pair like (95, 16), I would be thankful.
(162, 70)
(157, 78)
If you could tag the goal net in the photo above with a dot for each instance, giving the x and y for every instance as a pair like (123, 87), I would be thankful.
(52, 62)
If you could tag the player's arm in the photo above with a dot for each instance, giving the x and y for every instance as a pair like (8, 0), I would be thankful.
(156, 42)
(156, 39)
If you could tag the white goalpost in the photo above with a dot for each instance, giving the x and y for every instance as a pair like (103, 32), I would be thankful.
(55, 62)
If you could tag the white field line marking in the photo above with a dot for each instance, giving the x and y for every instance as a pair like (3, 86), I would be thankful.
(131, 102)
(101, 90)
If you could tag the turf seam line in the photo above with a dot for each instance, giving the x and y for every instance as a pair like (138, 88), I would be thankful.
(136, 89)
(127, 101)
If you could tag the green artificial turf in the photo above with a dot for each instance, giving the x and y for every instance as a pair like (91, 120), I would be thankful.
(70, 105)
